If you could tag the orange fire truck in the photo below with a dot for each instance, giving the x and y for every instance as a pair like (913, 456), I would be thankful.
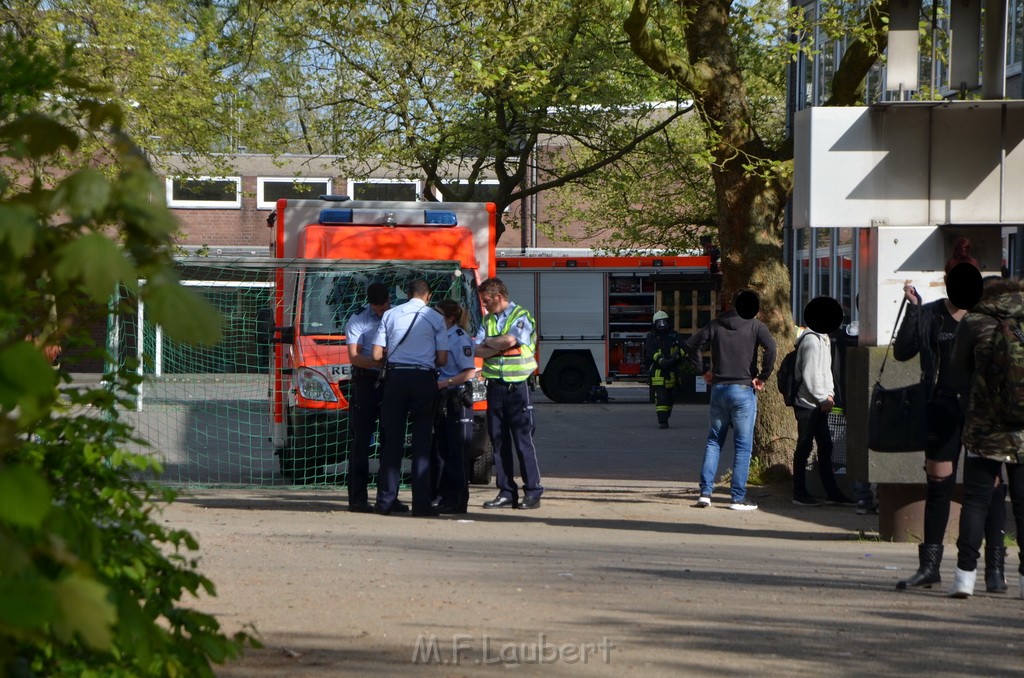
(329, 251)
(593, 311)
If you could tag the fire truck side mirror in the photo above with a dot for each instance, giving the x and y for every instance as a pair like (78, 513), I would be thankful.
(267, 333)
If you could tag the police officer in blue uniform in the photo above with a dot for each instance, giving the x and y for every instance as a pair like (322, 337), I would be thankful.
(507, 342)
(366, 393)
(416, 340)
(453, 428)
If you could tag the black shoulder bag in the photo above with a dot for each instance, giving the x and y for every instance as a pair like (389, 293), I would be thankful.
(897, 417)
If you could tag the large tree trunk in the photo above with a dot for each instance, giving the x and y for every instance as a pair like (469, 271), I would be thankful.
(751, 188)
(752, 194)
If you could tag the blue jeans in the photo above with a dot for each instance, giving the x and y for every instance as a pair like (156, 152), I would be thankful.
(732, 405)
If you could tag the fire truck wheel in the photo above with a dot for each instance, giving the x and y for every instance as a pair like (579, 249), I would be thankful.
(480, 470)
(300, 460)
(568, 378)
(295, 466)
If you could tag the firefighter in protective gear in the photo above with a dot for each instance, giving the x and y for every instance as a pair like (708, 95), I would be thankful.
(663, 356)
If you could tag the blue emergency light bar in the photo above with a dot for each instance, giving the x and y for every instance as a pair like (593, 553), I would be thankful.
(334, 216)
(441, 217)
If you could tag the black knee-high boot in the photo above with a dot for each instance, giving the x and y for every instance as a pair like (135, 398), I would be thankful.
(929, 558)
(995, 551)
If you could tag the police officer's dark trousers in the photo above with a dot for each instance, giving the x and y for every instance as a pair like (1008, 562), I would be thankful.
(364, 410)
(408, 394)
(452, 434)
(510, 422)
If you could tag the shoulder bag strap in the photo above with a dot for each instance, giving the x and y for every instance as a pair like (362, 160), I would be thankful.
(407, 331)
(893, 338)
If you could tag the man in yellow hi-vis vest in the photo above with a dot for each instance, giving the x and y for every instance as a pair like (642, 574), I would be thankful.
(507, 342)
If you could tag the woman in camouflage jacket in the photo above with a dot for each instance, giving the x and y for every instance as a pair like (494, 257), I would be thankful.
(990, 442)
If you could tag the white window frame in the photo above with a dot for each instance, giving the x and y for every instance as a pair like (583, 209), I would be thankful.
(352, 184)
(261, 182)
(205, 204)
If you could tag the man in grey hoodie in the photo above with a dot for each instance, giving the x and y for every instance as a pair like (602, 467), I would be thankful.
(735, 378)
(814, 400)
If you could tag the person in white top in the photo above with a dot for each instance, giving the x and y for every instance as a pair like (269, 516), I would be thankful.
(815, 398)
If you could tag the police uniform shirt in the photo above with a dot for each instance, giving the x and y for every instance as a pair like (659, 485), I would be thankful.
(460, 353)
(361, 329)
(521, 330)
(429, 334)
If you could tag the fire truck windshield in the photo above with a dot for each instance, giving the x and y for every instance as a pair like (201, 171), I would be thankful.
(330, 297)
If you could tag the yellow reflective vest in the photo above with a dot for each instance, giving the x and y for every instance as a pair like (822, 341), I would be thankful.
(515, 364)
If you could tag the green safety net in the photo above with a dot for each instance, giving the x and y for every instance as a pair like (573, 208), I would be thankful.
(206, 411)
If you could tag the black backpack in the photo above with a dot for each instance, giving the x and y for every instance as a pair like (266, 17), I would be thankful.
(787, 379)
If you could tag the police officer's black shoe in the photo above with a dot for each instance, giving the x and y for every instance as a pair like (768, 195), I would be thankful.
(663, 424)
(426, 512)
(360, 507)
(530, 502)
(399, 507)
(501, 502)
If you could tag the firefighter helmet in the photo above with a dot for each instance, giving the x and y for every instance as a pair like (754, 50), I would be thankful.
(660, 315)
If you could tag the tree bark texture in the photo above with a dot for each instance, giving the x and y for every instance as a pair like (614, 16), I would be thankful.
(751, 193)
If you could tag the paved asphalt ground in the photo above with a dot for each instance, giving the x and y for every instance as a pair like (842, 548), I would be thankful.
(616, 574)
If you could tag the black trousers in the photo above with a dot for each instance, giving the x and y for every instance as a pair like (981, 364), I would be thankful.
(363, 412)
(812, 427)
(408, 397)
(453, 431)
(979, 481)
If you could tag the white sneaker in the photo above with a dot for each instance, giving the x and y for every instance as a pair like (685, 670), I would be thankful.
(963, 584)
(743, 506)
(703, 502)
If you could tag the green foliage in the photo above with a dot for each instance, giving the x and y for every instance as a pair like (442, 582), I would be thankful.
(466, 90)
(183, 71)
(90, 582)
(658, 196)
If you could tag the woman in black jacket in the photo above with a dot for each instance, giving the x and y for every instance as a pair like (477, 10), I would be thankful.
(928, 330)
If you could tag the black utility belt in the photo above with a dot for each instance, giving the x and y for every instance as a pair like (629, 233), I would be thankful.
(402, 366)
(502, 382)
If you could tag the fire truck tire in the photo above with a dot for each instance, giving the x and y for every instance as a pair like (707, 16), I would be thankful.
(301, 461)
(296, 466)
(480, 471)
(568, 378)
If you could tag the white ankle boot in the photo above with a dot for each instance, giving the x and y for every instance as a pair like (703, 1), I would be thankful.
(963, 584)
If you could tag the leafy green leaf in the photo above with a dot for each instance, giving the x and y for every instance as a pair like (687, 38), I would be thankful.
(83, 194)
(17, 228)
(26, 603)
(185, 315)
(96, 262)
(24, 374)
(86, 611)
(25, 496)
(40, 134)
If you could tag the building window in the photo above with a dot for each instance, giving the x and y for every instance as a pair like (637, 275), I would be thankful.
(204, 192)
(484, 190)
(271, 189)
(384, 189)
(1015, 53)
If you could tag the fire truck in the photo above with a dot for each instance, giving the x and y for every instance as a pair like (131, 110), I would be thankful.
(327, 252)
(593, 311)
